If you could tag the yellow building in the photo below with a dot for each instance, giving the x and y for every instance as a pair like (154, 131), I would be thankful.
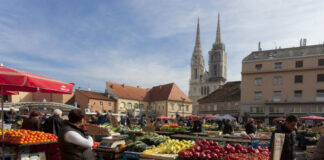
(166, 100)
(279, 82)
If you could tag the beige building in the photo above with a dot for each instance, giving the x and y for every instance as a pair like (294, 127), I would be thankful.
(166, 100)
(39, 97)
(225, 100)
(283, 81)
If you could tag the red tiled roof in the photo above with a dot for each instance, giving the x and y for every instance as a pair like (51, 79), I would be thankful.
(95, 95)
(128, 92)
(231, 91)
(157, 93)
(167, 92)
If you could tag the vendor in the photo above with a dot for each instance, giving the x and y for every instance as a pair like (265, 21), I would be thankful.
(73, 142)
(101, 119)
(10, 116)
(33, 122)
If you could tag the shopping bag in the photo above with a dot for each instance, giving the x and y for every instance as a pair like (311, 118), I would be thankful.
(277, 145)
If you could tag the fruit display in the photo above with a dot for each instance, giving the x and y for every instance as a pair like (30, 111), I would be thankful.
(173, 128)
(212, 150)
(171, 146)
(28, 136)
(95, 144)
(5, 131)
(245, 156)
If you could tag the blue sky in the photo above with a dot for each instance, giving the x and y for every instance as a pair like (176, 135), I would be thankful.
(145, 42)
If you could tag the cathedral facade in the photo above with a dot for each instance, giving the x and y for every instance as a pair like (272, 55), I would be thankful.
(203, 82)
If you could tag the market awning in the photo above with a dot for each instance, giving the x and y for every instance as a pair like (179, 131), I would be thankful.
(314, 118)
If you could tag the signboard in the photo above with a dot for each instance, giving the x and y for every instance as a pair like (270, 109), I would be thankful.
(277, 145)
(34, 156)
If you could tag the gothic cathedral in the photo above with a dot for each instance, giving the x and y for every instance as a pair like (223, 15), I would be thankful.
(203, 82)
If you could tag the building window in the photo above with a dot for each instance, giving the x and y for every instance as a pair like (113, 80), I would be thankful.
(159, 107)
(172, 107)
(209, 108)
(278, 65)
(276, 95)
(320, 93)
(135, 105)
(109, 103)
(187, 108)
(276, 109)
(257, 109)
(317, 109)
(215, 69)
(207, 90)
(141, 106)
(298, 93)
(154, 106)
(320, 78)
(215, 107)
(162, 107)
(321, 62)
(257, 95)
(258, 67)
(122, 105)
(129, 106)
(299, 64)
(202, 90)
(298, 109)
(179, 107)
(196, 74)
(258, 81)
(277, 80)
(299, 79)
(101, 103)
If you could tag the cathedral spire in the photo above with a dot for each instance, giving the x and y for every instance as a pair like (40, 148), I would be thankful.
(197, 44)
(218, 34)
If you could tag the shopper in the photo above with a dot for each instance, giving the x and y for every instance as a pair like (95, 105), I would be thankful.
(319, 151)
(101, 119)
(250, 127)
(33, 122)
(73, 142)
(10, 116)
(53, 124)
(228, 129)
(288, 128)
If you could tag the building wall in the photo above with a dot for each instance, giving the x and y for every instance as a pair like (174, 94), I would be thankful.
(230, 107)
(160, 107)
(62, 98)
(124, 102)
(177, 108)
(269, 106)
(21, 97)
(101, 105)
(81, 100)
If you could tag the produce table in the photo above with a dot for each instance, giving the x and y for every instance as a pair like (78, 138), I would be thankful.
(165, 133)
(108, 153)
(29, 148)
(158, 156)
(231, 140)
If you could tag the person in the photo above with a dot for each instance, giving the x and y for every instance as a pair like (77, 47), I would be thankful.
(101, 119)
(123, 121)
(128, 121)
(228, 127)
(53, 124)
(10, 116)
(288, 128)
(250, 127)
(74, 144)
(197, 126)
(33, 122)
(189, 123)
(44, 117)
(220, 125)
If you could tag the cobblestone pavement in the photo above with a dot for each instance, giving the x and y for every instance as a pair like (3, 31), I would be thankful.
(300, 154)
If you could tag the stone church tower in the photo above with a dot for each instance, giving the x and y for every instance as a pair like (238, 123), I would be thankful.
(203, 82)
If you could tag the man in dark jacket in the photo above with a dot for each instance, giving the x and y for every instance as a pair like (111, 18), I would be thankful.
(53, 124)
(288, 128)
(10, 116)
(250, 127)
(73, 142)
(228, 127)
(33, 122)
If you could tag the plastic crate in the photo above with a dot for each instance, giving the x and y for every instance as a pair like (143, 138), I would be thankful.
(256, 143)
(131, 155)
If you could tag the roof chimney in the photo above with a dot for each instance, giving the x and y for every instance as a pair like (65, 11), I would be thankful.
(259, 46)
(123, 85)
(138, 86)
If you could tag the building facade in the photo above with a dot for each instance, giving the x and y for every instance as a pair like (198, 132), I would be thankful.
(166, 100)
(203, 82)
(94, 101)
(279, 82)
(225, 100)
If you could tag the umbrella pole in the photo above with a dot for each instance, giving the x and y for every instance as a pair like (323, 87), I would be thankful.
(2, 122)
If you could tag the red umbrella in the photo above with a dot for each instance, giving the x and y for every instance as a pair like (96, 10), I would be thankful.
(192, 117)
(15, 80)
(211, 117)
(279, 119)
(162, 117)
(315, 118)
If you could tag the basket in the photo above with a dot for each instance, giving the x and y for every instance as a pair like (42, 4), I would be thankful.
(256, 143)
